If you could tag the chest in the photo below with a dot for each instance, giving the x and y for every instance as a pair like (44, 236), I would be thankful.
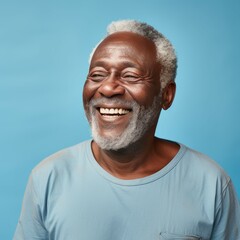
(103, 210)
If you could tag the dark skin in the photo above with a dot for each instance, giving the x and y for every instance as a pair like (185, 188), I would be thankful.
(124, 66)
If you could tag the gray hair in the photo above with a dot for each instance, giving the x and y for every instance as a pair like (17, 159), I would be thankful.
(165, 52)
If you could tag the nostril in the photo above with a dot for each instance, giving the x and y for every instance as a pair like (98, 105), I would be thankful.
(111, 89)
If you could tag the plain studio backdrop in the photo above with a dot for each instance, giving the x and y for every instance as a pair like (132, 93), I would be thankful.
(44, 51)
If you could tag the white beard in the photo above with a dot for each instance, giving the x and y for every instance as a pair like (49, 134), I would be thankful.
(142, 119)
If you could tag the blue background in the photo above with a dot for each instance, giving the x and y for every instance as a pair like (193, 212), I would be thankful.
(44, 49)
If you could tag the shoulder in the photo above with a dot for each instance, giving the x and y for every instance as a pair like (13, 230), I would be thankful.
(55, 173)
(201, 164)
(61, 162)
(193, 163)
(204, 174)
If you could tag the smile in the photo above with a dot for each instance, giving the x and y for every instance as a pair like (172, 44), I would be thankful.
(113, 111)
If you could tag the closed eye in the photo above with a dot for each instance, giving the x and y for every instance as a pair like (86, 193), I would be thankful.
(130, 77)
(97, 76)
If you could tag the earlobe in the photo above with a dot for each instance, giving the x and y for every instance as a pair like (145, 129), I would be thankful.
(168, 95)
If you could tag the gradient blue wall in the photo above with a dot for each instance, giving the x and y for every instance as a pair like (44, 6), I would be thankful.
(44, 48)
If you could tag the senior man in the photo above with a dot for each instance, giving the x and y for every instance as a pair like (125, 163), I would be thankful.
(127, 184)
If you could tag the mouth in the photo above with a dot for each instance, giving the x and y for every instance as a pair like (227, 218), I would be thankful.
(113, 111)
(115, 115)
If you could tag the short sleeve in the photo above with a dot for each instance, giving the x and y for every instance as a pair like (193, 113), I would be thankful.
(30, 224)
(227, 220)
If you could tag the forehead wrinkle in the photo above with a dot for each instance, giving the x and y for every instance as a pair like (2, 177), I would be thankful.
(119, 49)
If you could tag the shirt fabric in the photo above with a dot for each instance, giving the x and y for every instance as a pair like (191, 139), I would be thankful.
(69, 196)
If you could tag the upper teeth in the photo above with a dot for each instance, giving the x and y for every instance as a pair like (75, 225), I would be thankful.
(113, 111)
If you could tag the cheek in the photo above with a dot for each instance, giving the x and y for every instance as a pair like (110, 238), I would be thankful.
(143, 95)
(89, 91)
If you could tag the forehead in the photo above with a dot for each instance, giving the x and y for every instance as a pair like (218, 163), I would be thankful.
(127, 45)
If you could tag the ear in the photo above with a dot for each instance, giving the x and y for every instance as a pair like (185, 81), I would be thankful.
(168, 95)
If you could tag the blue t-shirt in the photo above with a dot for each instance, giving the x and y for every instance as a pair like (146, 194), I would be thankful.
(70, 197)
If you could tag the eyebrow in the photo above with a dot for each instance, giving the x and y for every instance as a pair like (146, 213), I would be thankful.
(104, 64)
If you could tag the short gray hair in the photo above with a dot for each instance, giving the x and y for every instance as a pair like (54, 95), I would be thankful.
(165, 52)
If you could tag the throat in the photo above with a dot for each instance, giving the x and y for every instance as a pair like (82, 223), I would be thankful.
(131, 163)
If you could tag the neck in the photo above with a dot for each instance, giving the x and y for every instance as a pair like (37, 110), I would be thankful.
(135, 161)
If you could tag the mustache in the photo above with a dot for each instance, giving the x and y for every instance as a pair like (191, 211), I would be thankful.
(113, 101)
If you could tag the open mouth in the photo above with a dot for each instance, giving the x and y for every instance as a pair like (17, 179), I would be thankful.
(113, 111)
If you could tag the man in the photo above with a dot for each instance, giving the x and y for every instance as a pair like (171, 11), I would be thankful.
(127, 184)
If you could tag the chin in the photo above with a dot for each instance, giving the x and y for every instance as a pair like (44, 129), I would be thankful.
(114, 141)
(111, 143)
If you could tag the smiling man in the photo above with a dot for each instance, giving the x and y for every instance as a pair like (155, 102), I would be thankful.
(127, 184)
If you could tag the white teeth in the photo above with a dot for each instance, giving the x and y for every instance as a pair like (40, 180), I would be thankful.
(112, 111)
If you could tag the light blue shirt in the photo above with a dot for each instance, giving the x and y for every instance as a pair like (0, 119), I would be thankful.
(70, 197)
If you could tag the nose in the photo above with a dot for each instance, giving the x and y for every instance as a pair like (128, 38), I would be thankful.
(110, 87)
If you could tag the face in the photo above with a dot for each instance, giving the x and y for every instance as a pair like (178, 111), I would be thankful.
(122, 91)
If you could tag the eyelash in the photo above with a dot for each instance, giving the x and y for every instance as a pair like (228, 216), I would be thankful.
(99, 76)
(129, 75)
